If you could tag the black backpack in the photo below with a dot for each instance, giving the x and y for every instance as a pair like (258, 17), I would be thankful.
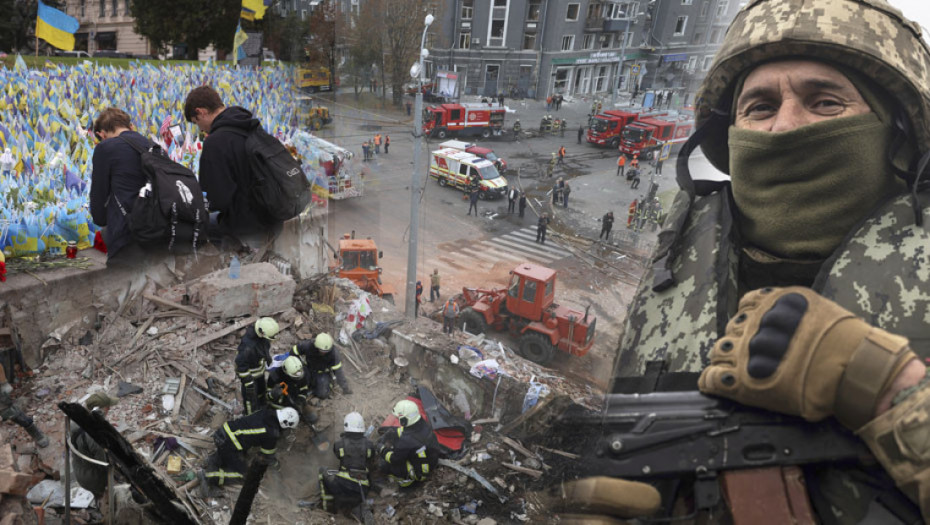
(278, 186)
(173, 214)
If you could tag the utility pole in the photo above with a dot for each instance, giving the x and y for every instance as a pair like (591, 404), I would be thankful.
(615, 77)
(417, 72)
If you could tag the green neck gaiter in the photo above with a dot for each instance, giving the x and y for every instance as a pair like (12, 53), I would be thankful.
(800, 192)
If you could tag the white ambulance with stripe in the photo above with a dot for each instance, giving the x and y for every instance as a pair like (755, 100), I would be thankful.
(453, 167)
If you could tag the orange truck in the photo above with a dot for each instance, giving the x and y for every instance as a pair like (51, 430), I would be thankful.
(446, 120)
(357, 260)
(647, 136)
(606, 129)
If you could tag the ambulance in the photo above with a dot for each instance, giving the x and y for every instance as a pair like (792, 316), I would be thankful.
(456, 168)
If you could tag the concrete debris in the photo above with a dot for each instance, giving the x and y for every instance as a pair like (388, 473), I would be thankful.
(260, 290)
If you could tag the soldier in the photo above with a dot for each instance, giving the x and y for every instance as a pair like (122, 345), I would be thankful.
(791, 107)
(10, 412)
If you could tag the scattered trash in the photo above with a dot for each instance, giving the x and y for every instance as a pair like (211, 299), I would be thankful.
(389, 511)
(487, 368)
(124, 389)
(533, 393)
(470, 507)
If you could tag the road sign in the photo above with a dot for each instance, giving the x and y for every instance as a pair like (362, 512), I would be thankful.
(634, 69)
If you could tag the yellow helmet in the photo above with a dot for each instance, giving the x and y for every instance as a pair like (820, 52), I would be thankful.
(293, 367)
(323, 342)
(407, 412)
(267, 328)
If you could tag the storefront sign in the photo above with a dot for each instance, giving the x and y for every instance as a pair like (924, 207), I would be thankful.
(680, 57)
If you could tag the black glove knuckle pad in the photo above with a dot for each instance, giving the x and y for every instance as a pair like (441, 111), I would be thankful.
(777, 327)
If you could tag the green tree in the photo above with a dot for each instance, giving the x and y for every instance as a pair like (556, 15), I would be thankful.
(196, 23)
(18, 25)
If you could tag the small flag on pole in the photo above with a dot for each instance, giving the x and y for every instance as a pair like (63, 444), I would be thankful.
(56, 27)
(238, 40)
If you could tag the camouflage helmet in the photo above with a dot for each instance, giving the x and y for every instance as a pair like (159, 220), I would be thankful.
(868, 36)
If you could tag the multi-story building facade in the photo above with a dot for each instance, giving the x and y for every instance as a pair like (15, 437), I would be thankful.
(106, 25)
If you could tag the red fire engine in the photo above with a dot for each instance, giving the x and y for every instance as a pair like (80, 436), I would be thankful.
(605, 129)
(463, 119)
(647, 136)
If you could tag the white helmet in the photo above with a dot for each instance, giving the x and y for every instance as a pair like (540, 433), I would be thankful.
(288, 418)
(323, 342)
(293, 367)
(354, 422)
(407, 412)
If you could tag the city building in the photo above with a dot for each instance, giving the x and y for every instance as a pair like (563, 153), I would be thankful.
(106, 25)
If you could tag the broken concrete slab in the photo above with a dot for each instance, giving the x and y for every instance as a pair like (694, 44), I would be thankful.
(260, 290)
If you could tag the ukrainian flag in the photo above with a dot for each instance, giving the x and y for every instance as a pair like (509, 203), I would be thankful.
(55, 27)
(253, 9)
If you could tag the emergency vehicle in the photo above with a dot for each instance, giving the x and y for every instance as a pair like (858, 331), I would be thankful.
(453, 167)
(605, 129)
(481, 151)
(647, 136)
(446, 120)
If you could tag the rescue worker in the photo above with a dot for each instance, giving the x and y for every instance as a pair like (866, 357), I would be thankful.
(253, 356)
(348, 485)
(377, 143)
(621, 165)
(410, 453)
(517, 128)
(288, 387)
(234, 439)
(607, 224)
(419, 299)
(542, 225)
(561, 155)
(322, 362)
(10, 412)
(632, 213)
(473, 199)
(434, 285)
(91, 476)
(450, 311)
(522, 204)
(820, 285)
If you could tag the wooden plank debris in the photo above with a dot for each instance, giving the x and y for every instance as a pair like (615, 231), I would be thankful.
(536, 474)
(171, 304)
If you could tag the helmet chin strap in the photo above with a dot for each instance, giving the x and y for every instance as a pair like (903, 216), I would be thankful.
(915, 198)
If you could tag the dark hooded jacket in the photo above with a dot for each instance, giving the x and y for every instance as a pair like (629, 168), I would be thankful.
(226, 176)
(117, 174)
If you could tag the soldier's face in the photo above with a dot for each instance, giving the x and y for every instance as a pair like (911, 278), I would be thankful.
(782, 96)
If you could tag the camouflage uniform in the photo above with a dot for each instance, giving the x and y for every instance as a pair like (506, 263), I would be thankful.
(880, 272)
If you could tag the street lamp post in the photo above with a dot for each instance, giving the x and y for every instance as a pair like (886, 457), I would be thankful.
(416, 71)
(613, 82)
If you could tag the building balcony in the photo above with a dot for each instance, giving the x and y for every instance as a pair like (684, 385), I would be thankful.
(593, 24)
(616, 26)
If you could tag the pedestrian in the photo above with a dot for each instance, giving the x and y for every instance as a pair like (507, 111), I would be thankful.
(387, 143)
(551, 167)
(348, 486)
(252, 356)
(562, 127)
(365, 150)
(549, 103)
(561, 155)
(419, 299)
(542, 224)
(599, 107)
(377, 143)
(450, 311)
(558, 101)
(500, 99)
(511, 199)
(409, 106)
(323, 364)
(621, 165)
(434, 285)
(556, 192)
(410, 453)
(580, 133)
(659, 163)
(473, 200)
(607, 224)
(658, 99)
(635, 183)
(635, 163)
(565, 193)
(225, 173)
(235, 438)
(115, 182)
(522, 206)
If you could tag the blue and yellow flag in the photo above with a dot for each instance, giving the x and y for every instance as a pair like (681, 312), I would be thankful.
(56, 27)
(238, 40)
(253, 9)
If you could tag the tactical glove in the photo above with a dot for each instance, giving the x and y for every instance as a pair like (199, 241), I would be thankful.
(792, 351)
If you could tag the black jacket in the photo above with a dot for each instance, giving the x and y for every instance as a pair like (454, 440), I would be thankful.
(314, 360)
(117, 174)
(297, 390)
(226, 176)
(253, 355)
(414, 445)
(354, 452)
(260, 429)
(608, 221)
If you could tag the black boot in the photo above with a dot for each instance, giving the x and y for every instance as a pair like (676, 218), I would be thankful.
(37, 435)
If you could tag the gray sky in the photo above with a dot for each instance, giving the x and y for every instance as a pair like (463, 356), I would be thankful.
(917, 10)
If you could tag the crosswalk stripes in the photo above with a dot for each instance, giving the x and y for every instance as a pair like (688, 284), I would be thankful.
(513, 247)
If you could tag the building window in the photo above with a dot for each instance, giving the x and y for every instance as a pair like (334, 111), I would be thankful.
(561, 80)
(692, 63)
(600, 79)
(595, 10)
(621, 10)
(465, 41)
(497, 30)
(698, 37)
(708, 60)
(83, 5)
(468, 9)
(529, 40)
(115, 8)
(605, 40)
(572, 13)
(687, 2)
(715, 35)
(587, 41)
(705, 6)
(680, 25)
(535, 8)
(568, 42)
(722, 6)
(103, 8)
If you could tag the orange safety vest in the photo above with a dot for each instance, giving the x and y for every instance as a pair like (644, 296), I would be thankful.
(378, 140)
(629, 220)
(621, 161)
(562, 151)
(450, 309)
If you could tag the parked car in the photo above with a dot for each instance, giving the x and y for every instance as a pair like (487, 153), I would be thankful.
(77, 54)
(145, 57)
(110, 53)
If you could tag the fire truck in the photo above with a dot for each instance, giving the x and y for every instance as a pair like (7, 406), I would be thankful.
(445, 120)
(605, 129)
(647, 136)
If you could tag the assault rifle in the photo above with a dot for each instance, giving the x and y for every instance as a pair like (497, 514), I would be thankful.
(673, 435)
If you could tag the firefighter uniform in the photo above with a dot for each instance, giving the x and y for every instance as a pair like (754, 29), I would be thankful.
(235, 438)
(293, 392)
(411, 454)
(349, 484)
(253, 356)
(320, 368)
